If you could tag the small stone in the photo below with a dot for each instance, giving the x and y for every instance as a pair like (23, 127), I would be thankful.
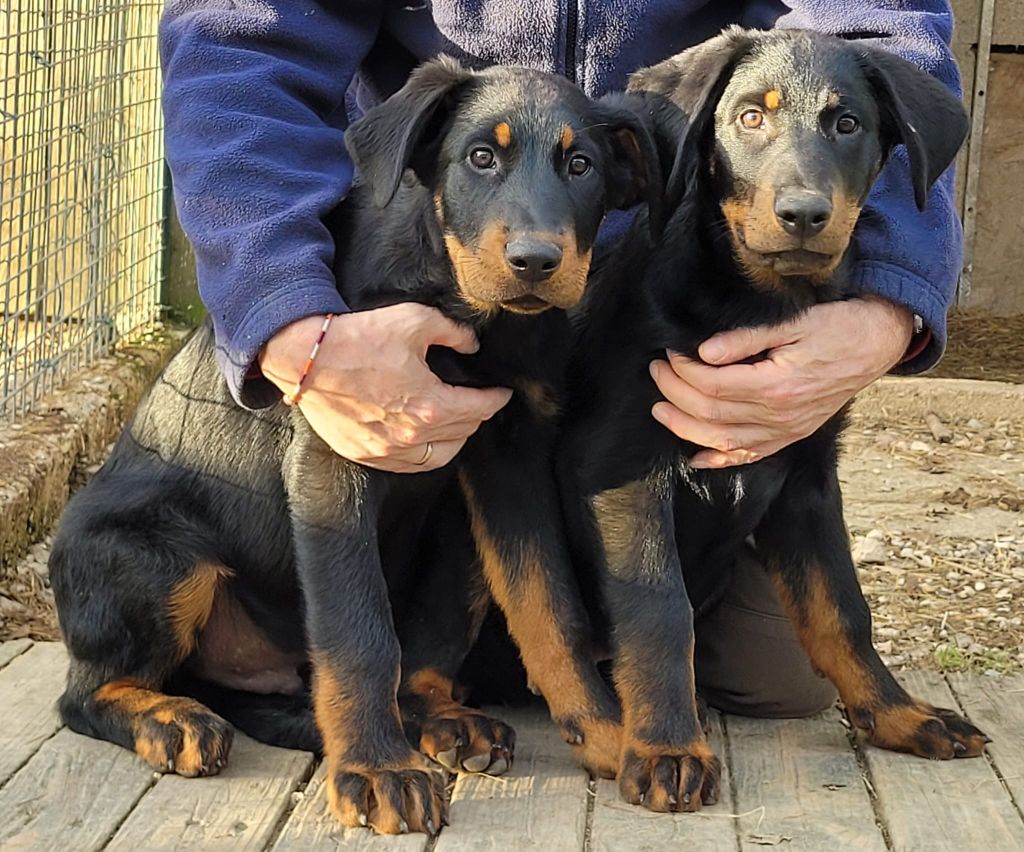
(979, 585)
(876, 534)
(919, 447)
(9, 607)
(869, 551)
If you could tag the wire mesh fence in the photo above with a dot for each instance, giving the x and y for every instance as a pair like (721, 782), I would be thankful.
(82, 186)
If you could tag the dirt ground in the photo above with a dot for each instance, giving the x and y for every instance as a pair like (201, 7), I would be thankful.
(937, 525)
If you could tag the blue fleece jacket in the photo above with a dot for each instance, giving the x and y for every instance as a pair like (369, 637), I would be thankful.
(258, 94)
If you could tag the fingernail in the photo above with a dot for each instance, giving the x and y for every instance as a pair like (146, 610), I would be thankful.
(700, 464)
(658, 413)
(712, 349)
(653, 367)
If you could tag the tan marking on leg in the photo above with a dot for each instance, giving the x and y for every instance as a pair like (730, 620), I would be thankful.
(824, 637)
(435, 689)
(191, 601)
(503, 134)
(544, 647)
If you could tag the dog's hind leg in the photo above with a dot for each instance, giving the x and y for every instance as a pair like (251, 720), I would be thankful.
(130, 614)
(805, 546)
(441, 624)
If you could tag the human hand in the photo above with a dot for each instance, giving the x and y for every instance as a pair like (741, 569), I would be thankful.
(813, 366)
(370, 394)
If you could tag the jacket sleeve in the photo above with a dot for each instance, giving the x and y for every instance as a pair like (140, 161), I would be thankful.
(906, 256)
(254, 108)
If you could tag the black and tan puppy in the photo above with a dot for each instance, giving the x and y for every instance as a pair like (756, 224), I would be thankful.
(233, 551)
(786, 134)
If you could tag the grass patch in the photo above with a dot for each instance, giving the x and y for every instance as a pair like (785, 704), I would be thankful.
(951, 658)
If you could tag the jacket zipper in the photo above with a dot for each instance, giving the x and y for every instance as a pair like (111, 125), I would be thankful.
(572, 14)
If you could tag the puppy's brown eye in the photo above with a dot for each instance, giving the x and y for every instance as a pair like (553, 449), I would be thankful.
(579, 165)
(847, 124)
(481, 158)
(752, 119)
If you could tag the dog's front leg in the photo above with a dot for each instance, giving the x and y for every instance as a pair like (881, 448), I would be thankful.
(805, 547)
(666, 763)
(516, 521)
(374, 777)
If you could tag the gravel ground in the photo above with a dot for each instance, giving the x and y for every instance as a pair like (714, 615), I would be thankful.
(938, 535)
(937, 529)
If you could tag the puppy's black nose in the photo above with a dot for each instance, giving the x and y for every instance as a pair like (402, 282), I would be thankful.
(802, 213)
(531, 259)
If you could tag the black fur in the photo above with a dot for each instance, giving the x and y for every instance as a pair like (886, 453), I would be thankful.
(319, 564)
(660, 536)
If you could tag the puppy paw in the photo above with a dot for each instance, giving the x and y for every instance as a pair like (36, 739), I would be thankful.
(397, 798)
(465, 740)
(667, 779)
(921, 729)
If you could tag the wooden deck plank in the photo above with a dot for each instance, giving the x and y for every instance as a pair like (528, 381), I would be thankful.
(312, 826)
(29, 688)
(72, 794)
(13, 648)
(996, 705)
(935, 805)
(805, 776)
(540, 804)
(617, 825)
(238, 809)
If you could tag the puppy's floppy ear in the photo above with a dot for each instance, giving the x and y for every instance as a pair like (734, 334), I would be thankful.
(919, 111)
(404, 131)
(635, 175)
(693, 82)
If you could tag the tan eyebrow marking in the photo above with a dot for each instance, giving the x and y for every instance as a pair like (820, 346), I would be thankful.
(503, 134)
(772, 99)
(567, 137)
(833, 100)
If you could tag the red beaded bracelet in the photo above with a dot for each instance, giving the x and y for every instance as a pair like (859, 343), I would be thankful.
(293, 397)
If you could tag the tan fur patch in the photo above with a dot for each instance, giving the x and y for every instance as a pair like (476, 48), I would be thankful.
(503, 134)
(541, 398)
(772, 99)
(191, 601)
(755, 228)
(567, 138)
(485, 280)
(436, 690)
(821, 631)
(543, 643)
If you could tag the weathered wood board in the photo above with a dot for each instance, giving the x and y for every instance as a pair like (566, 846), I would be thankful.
(934, 805)
(804, 775)
(236, 810)
(541, 803)
(29, 688)
(73, 793)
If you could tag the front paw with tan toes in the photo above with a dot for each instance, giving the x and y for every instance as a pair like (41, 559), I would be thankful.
(395, 798)
(921, 729)
(669, 778)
